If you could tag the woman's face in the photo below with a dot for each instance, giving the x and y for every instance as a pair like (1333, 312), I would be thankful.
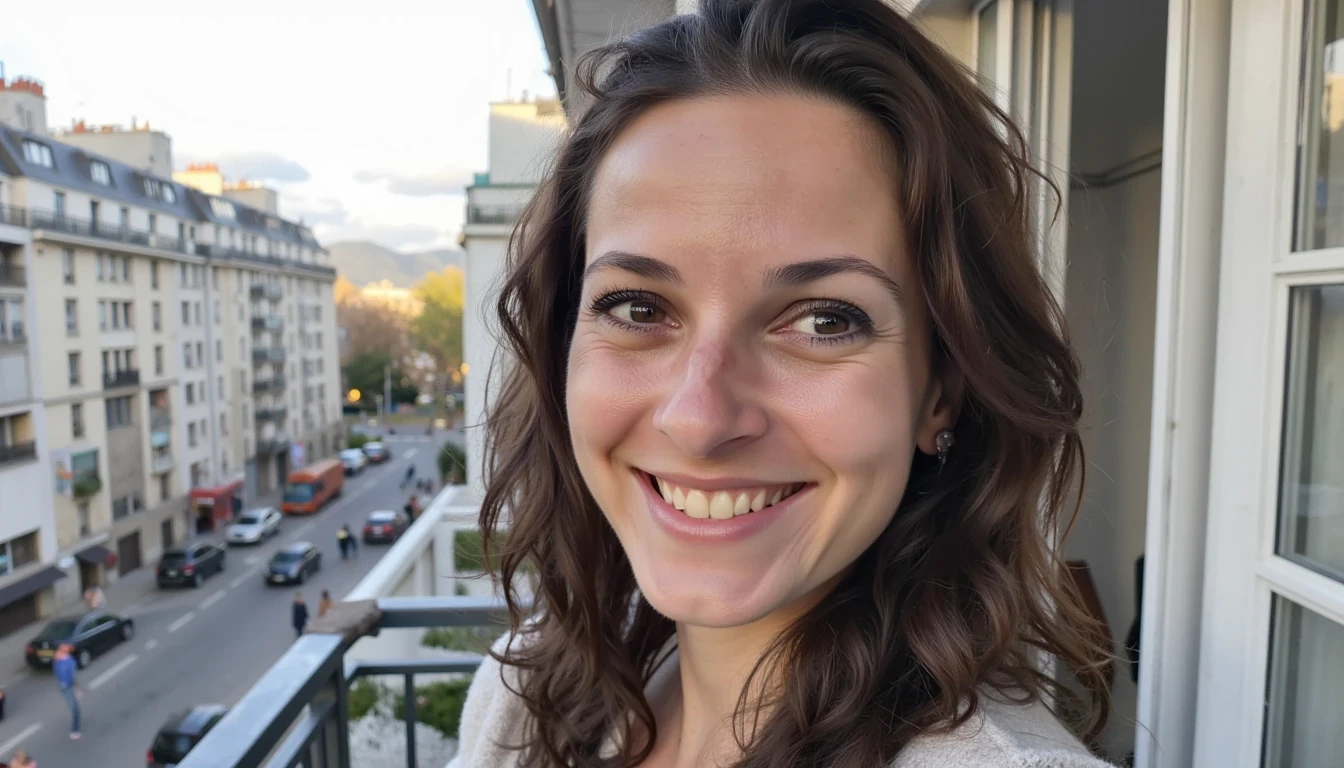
(750, 374)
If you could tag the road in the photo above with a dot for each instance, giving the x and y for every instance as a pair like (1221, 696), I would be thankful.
(202, 646)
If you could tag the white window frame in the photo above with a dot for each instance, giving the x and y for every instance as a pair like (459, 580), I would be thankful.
(1259, 270)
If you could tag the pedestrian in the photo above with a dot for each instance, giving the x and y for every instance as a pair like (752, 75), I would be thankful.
(22, 760)
(63, 666)
(343, 541)
(299, 615)
(95, 598)
(324, 605)
(410, 474)
(354, 540)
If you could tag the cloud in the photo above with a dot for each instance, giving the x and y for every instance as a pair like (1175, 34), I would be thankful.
(254, 166)
(325, 210)
(394, 236)
(451, 182)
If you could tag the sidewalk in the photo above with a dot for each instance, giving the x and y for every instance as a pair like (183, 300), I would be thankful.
(129, 591)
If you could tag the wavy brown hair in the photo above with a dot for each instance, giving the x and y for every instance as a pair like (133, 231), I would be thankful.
(963, 591)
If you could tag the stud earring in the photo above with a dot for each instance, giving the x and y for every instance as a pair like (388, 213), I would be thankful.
(944, 441)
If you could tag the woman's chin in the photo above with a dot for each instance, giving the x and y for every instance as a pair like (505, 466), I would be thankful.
(710, 599)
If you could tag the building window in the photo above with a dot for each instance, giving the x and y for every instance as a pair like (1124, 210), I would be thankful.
(101, 258)
(156, 315)
(68, 266)
(58, 203)
(219, 384)
(38, 154)
(191, 393)
(85, 523)
(73, 361)
(163, 486)
(121, 508)
(119, 411)
(100, 173)
(186, 313)
(102, 315)
(219, 351)
(151, 187)
(242, 347)
(198, 313)
(126, 315)
(186, 356)
(11, 319)
(182, 276)
(216, 311)
(158, 360)
(126, 265)
(169, 194)
(71, 318)
(154, 275)
(153, 224)
(77, 420)
(191, 434)
(223, 424)
(200, 353)
(125, 219)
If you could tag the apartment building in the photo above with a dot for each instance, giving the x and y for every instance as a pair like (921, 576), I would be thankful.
(153, 339)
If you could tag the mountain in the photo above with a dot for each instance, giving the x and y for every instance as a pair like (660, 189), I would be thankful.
(362, 262)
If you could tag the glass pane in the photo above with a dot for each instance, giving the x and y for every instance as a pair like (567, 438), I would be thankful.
(1311, 503)
(1320, 192)
(1304, 713)
(987, 50)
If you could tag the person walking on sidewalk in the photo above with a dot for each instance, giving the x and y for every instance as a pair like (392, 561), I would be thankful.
(343, 541)
(63, 667)
(95, 598)
(324, 604)
(22, 760)
(352, 538)
(299, 615)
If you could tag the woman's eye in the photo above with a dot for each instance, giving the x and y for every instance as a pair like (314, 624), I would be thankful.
(821, 323)
(638, 312)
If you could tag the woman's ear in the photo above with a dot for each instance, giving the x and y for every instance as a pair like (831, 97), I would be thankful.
(941, 408)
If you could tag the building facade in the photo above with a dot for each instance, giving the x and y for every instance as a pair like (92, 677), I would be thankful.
(154, 339)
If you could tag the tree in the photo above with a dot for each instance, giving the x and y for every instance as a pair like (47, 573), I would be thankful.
(438, 329)
(364, 372)
(372, 328)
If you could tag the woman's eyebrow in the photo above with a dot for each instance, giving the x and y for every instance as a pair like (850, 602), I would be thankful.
(801, 272)
(636, 264)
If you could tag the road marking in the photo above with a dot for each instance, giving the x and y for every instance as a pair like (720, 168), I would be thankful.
(211, 600)
(408, 454)
(24, 735)
(240, 579)
(182, 622)
(151, 645)
(109, 674)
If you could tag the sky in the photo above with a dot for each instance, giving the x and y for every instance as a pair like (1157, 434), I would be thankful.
(369, 117)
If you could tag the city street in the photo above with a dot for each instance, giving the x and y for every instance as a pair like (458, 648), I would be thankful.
(208, 645)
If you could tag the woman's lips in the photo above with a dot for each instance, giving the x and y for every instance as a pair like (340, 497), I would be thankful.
(703, 504)
(685, 525)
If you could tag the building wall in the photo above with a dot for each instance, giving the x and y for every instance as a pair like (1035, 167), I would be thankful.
(522, 138)
(147, 150)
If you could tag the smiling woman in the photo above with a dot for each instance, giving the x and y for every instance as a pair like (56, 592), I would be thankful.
(793, 422)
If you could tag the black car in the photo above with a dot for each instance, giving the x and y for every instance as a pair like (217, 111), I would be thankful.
(385, 527)
(294, 564)
(183, 731)
(377, 452)
(190, 565)
(91, 633)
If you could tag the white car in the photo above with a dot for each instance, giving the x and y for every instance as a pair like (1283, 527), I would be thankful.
(254, 526)
(354, 460)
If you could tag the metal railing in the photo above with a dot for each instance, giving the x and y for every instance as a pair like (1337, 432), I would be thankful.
(234, 254)
(13, 216)
(160, 463)
(124, 378)
(13, 275)
(269, 445)
(268, 322)
(12, 452)
(272, 414)
(262, 355)
(494, 214)
(271, 291)
(73, 225)
(297, 714)
(160, 418)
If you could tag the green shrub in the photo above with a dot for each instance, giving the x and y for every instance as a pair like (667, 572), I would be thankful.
(363, 696)
(468, 556)
(472, 639)
(438, 705)
(452, 464)
(85, 487)
(357, 440)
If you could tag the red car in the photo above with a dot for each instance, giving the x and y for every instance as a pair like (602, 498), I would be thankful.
(385, 527)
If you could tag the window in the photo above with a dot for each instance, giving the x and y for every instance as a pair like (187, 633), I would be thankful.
(72, 360)
(107, 368)
(154, 275)
(182, 281)
(68, 266)
(219, 351)
(71, 318)
(126, 315)
(18, 552)
(191, 434)
(119, 411)
(153, 223)
(100, 173)
(216, 311)
(198, 313)
(169, 194)
(223, 209)
(186, 312)
(200, 353)
(151, 187)
(156, 315)
(158, 360)
(11, 319)
(102, 315)
(242, 347)
(121, 508)
(219, 391)
(191, 393)
(82, 511)
(186, 356)
(58, 203)
(223, 424)
(163, 486)
(38, 154)
(77, 419)
(102, 266)
(125, 219)
(126, 264)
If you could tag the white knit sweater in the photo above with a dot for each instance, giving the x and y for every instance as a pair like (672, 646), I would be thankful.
(1000, 735)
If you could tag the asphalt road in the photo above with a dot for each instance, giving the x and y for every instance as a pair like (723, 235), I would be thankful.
(202, 646)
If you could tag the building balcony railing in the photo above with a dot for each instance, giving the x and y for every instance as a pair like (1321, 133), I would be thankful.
(263, 355)
(13, 216)
(160, 462)
(274, 444)
(297, 713)
(272, 384)
(268, 323)
(14, 334)
(233, 254)
(272, 414)
(127, 377)
(12, 453)
(493, 214)
(72, 225)
(13, 275)
(160, 419)
(268, 291)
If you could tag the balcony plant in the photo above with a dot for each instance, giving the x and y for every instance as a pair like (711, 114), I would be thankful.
(452, 464)
(86, 486)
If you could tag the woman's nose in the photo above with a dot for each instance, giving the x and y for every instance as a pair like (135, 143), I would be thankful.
(705, 409)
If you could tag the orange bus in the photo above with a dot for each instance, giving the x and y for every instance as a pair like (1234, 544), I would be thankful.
(307, 489)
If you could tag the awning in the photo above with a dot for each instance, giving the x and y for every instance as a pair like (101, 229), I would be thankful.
(94, 555)
(159, 439)
(29, 584)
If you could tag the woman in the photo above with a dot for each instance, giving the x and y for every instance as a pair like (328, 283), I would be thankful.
(324, 604)
(792, 421)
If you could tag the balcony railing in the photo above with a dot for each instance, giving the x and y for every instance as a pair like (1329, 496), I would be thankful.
(12, 275)
(263, 355)
(13, 216)
(276, 444)
(124, 378)
(269, 291)
(234, 254)
(72, 225)
(160, 463)
(272, 414)
(493, 214)
(268, 323)
(160, 419)
(16, 452)
(14, 334)
(268, 385)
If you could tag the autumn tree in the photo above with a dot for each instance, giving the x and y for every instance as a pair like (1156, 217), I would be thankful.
(372, 327)
(438, 328)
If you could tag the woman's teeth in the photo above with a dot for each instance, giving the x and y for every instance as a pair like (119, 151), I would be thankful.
(723, 505)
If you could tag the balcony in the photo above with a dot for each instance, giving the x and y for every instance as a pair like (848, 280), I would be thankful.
(160, 419)
(263, 355)
(268, 291)
(297, 713)
(273, 384)
(276, 414)
(273, 444)
(271, 323)
(12, 275)
(128, 377)
(493, 214)
(225, 253)
(13, 453)
(160, 462)
(13, 216)
(71, 225)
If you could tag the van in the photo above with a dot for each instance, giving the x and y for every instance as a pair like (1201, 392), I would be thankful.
(307, 489)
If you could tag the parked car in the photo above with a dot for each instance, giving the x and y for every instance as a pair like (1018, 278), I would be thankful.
(294, 564)
(90, 633)
(183, 731)
(385, 526)
(353, 460)
(377, 452)
(254, 526)
(190, 565)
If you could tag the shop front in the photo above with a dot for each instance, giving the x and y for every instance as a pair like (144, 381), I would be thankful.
(215, 506)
